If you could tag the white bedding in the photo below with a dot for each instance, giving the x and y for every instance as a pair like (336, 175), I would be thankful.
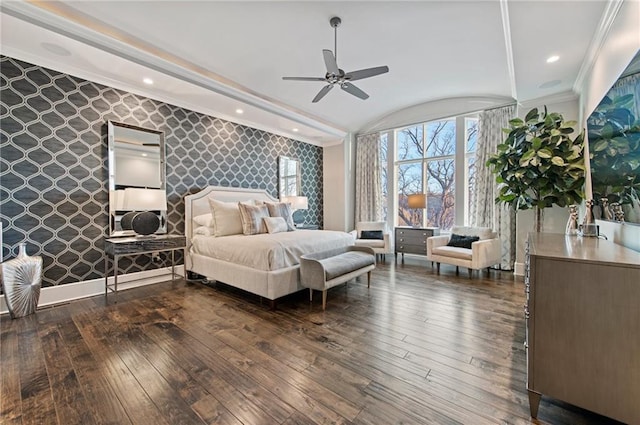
(269, 251)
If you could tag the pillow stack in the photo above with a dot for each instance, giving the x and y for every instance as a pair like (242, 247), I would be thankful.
(248, 218)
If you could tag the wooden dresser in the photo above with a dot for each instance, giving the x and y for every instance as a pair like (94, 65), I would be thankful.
(413, 240)
(583, 324)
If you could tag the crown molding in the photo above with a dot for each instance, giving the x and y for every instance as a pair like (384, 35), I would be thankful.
(506, 31)
(608, 17)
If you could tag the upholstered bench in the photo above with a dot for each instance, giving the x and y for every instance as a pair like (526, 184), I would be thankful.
(326, 269)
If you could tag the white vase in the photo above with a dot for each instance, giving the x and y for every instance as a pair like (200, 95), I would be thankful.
(21, 281)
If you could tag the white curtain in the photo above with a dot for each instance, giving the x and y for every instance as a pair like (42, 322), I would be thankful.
(368, 181)
(484, 211)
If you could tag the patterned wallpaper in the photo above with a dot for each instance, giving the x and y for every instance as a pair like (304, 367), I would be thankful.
(53, 168)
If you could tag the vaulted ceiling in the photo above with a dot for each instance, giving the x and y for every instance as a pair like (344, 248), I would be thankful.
(220, 56)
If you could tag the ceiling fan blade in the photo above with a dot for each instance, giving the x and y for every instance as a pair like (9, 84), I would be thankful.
(366, 73)
(322, 93)
(351, 89)
(330, 62)
(305, 78)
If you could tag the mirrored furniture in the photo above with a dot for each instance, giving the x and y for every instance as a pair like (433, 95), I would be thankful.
(288, 177)
(114, 248)
(136, 180)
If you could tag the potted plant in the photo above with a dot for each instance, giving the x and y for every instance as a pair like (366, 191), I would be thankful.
(539, 165)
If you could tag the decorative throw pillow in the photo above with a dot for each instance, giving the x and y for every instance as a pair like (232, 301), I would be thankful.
(251, 217)
(460, 241)
(275, 224)
(226, 218)
(281, 209)
(371, 234)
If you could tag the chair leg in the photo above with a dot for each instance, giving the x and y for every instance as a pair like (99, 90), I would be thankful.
(457, 271)
(470, 273)
(324, 299)
(310, 294)
(369, 279)
(438, 268)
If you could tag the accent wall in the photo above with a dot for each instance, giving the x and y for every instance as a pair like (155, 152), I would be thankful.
(53, 167)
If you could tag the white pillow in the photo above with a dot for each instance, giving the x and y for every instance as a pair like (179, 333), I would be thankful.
(205, 231)
(251, 217)
(275, 224)
(226, 218)
(205, 220)
(282, 209)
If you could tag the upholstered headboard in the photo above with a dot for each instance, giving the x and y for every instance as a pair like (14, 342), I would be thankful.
(198, 204)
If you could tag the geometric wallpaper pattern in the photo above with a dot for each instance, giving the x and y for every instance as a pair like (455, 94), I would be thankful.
(53, 167)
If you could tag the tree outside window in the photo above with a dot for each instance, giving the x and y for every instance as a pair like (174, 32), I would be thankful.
(426, 160)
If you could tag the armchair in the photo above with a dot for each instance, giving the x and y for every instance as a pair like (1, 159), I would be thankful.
(483, 253)
(380, 246)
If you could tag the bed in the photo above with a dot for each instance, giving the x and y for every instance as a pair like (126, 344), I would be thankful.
(263, 264)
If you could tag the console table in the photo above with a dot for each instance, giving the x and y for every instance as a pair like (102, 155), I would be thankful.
(413, 240)
(582, 337)
(114, 248)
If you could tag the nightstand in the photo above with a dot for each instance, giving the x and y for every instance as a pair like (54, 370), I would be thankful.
(413, 240)
(114, 248)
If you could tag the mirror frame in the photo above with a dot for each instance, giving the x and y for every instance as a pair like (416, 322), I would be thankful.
(283, 161)
(116, 215)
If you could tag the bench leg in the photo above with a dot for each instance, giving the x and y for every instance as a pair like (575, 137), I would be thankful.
(324, 299)
(369, 279)
(310, 294)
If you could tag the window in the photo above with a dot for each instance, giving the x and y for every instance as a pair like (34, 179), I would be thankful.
(428, 157)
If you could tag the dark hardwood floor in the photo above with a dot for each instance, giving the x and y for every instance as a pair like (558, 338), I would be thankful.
(415, 348)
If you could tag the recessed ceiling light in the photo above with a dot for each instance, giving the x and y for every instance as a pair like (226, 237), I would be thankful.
(295, 130)
(239, 111)
(147, 80)
(552, 59)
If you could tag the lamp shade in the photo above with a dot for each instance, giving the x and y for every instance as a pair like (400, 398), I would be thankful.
(144, 199)
(297, 202)
(417, 200)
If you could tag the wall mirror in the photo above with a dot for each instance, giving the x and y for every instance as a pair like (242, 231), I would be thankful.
(614, 148)
(136, 176)
(288, 176)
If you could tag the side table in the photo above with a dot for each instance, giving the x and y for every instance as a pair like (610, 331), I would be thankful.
(413, 240)
(114, 248)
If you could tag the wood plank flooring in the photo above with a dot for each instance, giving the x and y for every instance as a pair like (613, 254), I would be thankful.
(415, 348)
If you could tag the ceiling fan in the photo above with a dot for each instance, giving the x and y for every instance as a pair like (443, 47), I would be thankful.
(335, 75)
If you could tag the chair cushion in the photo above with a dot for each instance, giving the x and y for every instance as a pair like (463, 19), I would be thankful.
(482, 232)
(372, 243)
(371, 234)
(462, 241)
(370, 225)
(346, 263)
(453, 252)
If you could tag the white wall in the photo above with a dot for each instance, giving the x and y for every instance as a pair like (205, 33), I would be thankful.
(339, 185)
(611, 58)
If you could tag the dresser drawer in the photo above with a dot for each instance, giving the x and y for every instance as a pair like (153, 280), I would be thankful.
(412, 249)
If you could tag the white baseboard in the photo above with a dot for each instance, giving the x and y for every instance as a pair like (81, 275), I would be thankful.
(518, 269)
(89, 288)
